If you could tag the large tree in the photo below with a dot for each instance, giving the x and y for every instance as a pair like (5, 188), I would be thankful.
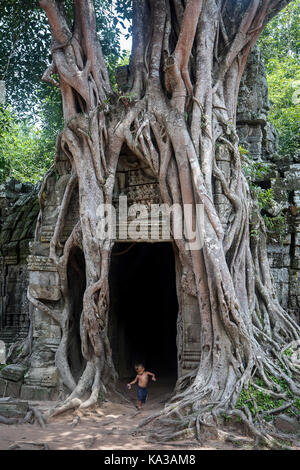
(178, 117)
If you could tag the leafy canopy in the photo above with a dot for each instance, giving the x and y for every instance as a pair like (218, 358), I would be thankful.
(280, 47)
(33, 111)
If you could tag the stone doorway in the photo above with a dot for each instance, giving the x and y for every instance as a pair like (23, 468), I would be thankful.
(143, 308)
(77, 284)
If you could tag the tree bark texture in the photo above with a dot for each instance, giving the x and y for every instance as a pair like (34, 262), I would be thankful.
(187, 60)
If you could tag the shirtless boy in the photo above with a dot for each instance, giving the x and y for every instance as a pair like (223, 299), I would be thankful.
(141, 379)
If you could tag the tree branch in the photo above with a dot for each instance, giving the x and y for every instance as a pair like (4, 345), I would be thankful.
(187, 32)
(85, 18)
(47, 75)
(57, 19)
(177, 76)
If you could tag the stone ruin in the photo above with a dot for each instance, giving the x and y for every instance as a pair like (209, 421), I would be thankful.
(19, 209)
(27, 226)
(260, 138)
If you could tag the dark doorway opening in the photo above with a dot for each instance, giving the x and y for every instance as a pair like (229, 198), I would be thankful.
(77, 285)
(143, 308)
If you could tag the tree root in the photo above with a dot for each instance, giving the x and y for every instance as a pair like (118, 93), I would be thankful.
(285, 406)
(68, 405)
(199, 423)
(230, 278)
(40, 419)
(27, 419)
(173, 443)
(75, 421)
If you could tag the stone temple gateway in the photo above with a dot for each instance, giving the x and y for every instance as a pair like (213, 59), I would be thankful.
(169, 321)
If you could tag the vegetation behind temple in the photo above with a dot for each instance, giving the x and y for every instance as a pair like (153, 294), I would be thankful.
(280, 48)
(32, 115)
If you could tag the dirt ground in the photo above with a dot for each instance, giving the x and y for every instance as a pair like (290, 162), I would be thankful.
(111, 427)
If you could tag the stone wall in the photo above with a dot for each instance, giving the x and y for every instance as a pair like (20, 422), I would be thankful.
(282, 175)
(256, 134)
(284, 251)
(18, 214)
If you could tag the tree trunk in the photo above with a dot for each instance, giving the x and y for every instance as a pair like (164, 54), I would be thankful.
(179, 118)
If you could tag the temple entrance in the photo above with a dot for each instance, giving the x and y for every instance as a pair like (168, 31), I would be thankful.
(77, 285)
(143, 308)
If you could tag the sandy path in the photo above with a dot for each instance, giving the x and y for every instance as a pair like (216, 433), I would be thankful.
(111, 427)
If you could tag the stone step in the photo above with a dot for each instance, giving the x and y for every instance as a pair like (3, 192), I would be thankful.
(14, 372)
(11, 408)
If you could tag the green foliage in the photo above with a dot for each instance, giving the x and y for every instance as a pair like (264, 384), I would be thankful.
(113, 62)
(276, 225)
(5, 128)
(2, 366)
(127, 98)
(264, 197)
(254, 171)
(24, 53)
(281, 36)
(31, 122)
(284, 81)
(100, 396)
(243, 151)
(280, 47)
(288, 352)
(50, 117)
(5, 120)
(124, 59)
(25, 47)
(258, 400)
(226, 417)
(26, 151)
(108, 21)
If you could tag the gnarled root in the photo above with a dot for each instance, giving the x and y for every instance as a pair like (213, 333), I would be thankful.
(68, 405)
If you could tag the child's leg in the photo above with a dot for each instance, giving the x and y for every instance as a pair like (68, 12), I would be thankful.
(140, 397)
(145, 394)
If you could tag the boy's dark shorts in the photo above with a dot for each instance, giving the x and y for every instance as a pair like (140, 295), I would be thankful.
(142, 394)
